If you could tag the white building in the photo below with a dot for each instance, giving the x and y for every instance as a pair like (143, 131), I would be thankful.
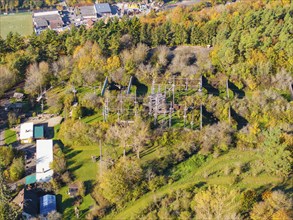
(44, 159)
(26, 132)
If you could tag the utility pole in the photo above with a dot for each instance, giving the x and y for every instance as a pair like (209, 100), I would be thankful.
(173, 91)
(229, 114)
(106, 110)
(135, 105)
(153, 87)
(42, 105)
(186, 84)
(200, 116)
(121, 104)
(227, 88)
(185, 116)
(156, 109)
(191, 123)
(200, 84)
(170, 115)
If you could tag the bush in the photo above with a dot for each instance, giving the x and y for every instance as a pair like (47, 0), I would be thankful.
(156, 183)
(16, 170)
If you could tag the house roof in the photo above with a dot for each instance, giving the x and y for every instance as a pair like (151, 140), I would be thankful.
(30, 203)
(40, 22)
(56, 24)
(87, 11)
(30, 179)
(44, 158)
(27, 200)
(26, 130)
(18, 95)
(47, 204)
(38, 131)
(103, 8)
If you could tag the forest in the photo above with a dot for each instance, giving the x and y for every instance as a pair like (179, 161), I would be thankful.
(226, 152)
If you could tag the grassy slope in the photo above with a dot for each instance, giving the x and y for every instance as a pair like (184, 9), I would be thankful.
(214, 168)
(9, 137)
(21, 23)
(84, 169)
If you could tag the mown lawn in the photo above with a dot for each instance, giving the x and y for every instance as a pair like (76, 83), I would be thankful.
(9, 137)
(84, 169)
(21, 23)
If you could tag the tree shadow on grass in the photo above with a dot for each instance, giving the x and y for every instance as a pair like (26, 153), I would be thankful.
(74, 168)
(211, 89)
(241, 121)
(141, 89)
(239, 92)
(208, 117)
(67, 204)
(72, 154)
(88, 186)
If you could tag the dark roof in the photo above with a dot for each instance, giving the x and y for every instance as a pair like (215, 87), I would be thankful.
(103, 8)
(38, 131)
(30, 205)
(46, 20)
(47, 204)
(41, 22)
(87, 11)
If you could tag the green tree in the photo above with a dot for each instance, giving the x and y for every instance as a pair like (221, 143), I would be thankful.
(118, 183)
(16, 169)
(59, 162)
(7, 210)
(275, 155)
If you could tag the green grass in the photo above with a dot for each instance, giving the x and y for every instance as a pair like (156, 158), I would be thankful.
(83, 169)
(212, 167)
(21, 23)
(9, 137)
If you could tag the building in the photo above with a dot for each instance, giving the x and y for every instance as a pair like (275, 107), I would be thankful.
(18, 96)
(73, 190)
(44, 158)
(103, 9)
(87, 12)
(27, 200)
(47, 204)
(39, 132)
(26, 132)
(47, 19)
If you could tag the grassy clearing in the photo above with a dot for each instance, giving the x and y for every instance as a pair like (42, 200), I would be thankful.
(214, 170)
(21, 23)
(9, 137)
(84, 169)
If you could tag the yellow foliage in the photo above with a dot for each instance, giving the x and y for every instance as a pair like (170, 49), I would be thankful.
(281, 214)
(113, 63)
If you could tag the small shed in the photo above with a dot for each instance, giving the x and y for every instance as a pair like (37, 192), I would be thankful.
(73, 190)
(26, 132)
(31, 179)
(47, 204)
(18, 96)
(39, 131)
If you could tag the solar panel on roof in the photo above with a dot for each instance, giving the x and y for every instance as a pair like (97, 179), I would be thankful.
(47, 204)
